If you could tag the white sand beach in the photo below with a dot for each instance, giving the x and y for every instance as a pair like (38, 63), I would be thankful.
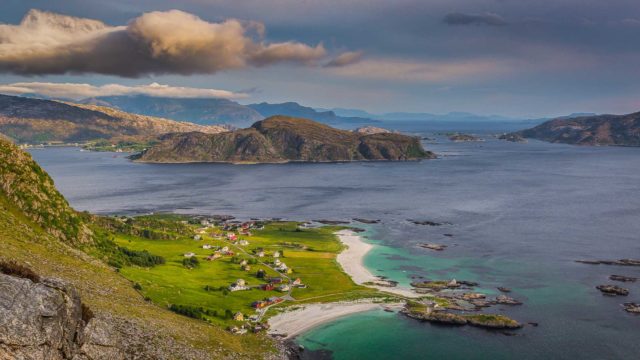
(352, 262)
(292, 323)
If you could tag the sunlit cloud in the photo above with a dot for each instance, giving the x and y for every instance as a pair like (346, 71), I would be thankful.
(159, 42)
(80, 91)
(346, 58)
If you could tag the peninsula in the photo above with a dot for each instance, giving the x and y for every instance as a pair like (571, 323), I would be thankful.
(598, 130)
(280, 139)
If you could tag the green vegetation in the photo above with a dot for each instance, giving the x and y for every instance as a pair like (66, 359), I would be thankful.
(205, 286)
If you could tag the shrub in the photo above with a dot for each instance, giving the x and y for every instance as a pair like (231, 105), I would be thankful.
(191, 262)
(14, 269)
(137, 286)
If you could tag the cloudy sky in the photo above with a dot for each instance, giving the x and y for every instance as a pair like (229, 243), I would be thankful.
(520, 58)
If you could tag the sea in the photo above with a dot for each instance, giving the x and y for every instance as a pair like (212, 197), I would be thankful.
(516, 215)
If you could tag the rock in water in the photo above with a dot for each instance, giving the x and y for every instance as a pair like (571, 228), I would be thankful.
(612, 290)
(632, 308)
(622, 278)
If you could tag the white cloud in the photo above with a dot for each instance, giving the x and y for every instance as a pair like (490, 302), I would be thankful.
(346, 58)
(169, 42)
(80, 91)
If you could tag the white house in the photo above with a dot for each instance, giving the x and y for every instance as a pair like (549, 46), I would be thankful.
(197, 237)
(276, 254)
(284, 288)
(243, 242)
(206, 246)
(189, 255)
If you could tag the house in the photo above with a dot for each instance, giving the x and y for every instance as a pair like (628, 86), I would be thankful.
(238, 286)
(284, 288)
(297, 282)
(197, 237)
(253, 318)
(232, 237)
(245, 268)
(275, 280)
(206, 246)
(243, 242)
(267, 287)
(258, 304)
(282, 267)
(276, 254)
(214, 256)
(274, 300)
(228, 253)
(225, 249)
(189, 255)
(277, 262)
(260, 253)
(238, 316)
(243, 262)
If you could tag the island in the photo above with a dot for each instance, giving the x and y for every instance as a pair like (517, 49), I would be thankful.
(280, 139)
(596, 130)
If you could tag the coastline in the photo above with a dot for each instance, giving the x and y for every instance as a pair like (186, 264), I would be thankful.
(290, 324)
(352, 262)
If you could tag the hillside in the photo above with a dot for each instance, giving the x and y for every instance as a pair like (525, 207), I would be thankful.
(294, 109)
(28, 120)
(622, 130)
(37, 229)
(283, 139)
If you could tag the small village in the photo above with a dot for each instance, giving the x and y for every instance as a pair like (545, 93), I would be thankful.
(233, 237)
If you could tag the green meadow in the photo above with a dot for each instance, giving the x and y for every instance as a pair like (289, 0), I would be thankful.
(310, 253)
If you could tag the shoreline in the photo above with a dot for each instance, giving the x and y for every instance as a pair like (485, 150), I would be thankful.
(352, 262)
(289, 324)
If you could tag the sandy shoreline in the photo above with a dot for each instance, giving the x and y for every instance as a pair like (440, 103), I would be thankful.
(292, 323)
(352, 262)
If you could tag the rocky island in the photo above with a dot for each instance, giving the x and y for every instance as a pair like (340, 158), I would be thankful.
(621, 130)
(280, 139)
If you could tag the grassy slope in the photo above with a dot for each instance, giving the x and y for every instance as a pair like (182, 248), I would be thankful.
(106, 291)
(172, 283)
(45, 247)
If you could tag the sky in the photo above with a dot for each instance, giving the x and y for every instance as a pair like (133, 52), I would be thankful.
(517, 58)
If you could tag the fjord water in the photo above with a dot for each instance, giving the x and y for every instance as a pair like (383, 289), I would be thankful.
(520, 215)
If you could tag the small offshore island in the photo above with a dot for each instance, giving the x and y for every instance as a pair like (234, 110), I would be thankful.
(280, 139)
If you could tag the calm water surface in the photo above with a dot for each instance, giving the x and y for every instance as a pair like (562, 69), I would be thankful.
(520, 214)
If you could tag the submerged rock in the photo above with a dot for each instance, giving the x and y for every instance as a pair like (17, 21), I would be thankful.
(506, 300)
(632, 308)
(366, 221)
(613, 290)
(436, 247)
(624, 262)
(623, 278)
(504, 289)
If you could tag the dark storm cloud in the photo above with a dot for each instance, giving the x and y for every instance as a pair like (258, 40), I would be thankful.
(474, 19)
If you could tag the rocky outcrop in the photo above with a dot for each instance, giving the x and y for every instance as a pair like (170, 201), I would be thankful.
(623, 278)
(632, 308)
(589, 130)
(47, 320)
(283, 139)
(464, 138)
(369, 130)
(513, 137)
(612, 290)
(623, 262)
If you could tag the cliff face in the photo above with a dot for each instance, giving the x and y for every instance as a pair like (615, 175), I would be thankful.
(282, 139)
(621, 130)
(35, 121)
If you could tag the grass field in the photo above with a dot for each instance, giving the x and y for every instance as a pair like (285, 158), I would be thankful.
(310, 253)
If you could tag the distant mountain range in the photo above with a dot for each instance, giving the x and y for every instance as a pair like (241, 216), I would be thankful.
(282, 139)
(196, 110)
(208, 111)
(409, 116)
(29, 120)
(623, 130)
